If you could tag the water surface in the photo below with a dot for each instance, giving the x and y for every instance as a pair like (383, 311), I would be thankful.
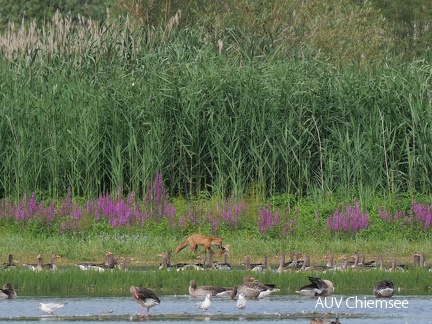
(350, 308)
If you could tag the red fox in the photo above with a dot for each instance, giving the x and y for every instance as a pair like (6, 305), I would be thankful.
(198, 239)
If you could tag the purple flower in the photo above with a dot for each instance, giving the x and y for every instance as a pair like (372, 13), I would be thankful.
(350, 219)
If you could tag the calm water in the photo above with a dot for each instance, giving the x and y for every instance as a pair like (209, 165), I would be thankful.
(181, 309)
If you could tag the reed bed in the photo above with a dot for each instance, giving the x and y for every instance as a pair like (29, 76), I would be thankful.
(110, 105)
(73, 280)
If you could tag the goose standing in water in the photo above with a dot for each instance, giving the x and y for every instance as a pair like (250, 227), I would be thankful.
(265, 289)
(52, 265)
(145, 298)
(249, 291)
(318, 287)
(36, 267)
(253, 289)
(384, 289)
(7, 292)
(201, 291)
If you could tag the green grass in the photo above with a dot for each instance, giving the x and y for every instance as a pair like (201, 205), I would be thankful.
(72, 280)
(144, 271)
(107, 111)
(145, 248)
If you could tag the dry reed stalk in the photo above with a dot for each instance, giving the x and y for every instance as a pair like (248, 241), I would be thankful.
(63, 35)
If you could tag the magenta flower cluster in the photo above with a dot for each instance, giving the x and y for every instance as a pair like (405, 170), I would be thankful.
(126, 212)
(29, 209)
(399, 215)
(229, 213)
(419, 214)
(119, 211)
(422, 213)
(268, 219)
(350, 219)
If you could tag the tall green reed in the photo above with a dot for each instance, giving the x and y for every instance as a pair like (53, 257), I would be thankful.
(115, 110)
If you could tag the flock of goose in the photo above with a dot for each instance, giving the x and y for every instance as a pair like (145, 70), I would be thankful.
(248, 289)
(296, 262)
(317, 287)
(110, 262)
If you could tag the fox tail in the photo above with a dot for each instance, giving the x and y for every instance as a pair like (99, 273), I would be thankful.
(181, 246)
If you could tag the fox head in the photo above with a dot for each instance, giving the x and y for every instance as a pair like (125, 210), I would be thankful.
(217, 241)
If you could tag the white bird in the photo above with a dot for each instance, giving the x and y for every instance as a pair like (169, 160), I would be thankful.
(205, 304)
(50, 307)
(241, 302)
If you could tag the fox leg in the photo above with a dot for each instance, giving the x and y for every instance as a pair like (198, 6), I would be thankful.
(194, 247)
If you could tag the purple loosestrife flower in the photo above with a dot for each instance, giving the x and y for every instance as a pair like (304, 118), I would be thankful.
(289, 227)
(399, 215)
(50, 212)
(349, 219)
(76, 213)
(420, 214)
(290, 222)
(193, 216)
(156, 200)
(423, 215)
(215, 223)
(266, 219)
(230, 211)
(67, 204)
(32, 206)
(384, 215)
(117, 212)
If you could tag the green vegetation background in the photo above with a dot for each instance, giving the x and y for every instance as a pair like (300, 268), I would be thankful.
(303, 105)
